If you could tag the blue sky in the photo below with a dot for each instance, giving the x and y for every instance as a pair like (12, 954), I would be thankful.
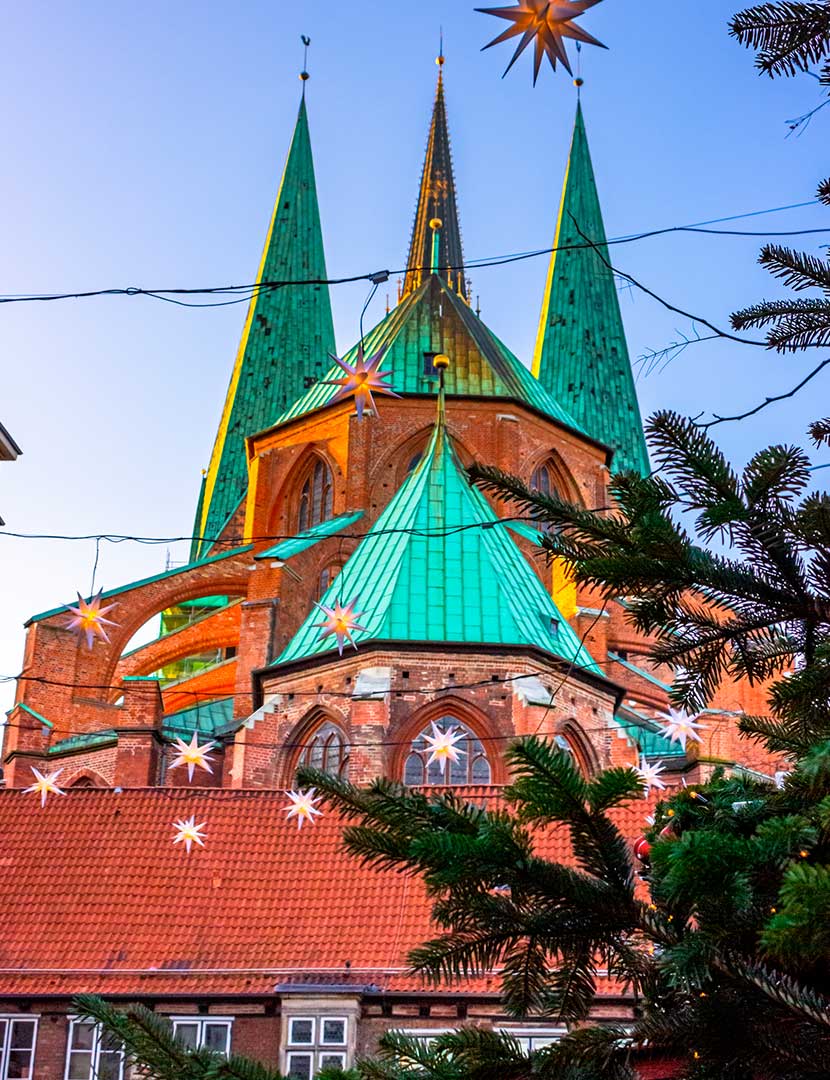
(143, 146)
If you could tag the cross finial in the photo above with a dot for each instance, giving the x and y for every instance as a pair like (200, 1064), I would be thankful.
(304, 75)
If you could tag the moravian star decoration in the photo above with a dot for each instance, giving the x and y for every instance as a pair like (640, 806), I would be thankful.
(650, 775)
(679, 727)
(360, 379)
(548, 23)
(192, 754)
(88, 618)
(189, 833)
(444, 744)
(303, 806)
(45, 785)
(341, 622)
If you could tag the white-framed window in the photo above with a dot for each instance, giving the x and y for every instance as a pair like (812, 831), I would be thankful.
(204, 1032)
(18, 1035)
(92, 1054)
(531, 1039)
(315, 1043)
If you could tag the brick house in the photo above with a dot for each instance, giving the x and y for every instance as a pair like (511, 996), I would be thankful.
(268, 940)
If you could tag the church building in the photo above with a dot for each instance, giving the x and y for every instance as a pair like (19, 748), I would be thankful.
(263, 938)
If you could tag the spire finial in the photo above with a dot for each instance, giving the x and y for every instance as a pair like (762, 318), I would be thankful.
(439, 59)
(304, 75)
(441, 362)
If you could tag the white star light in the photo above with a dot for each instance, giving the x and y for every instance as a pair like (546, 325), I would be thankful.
(192, 754)
(303, 806)
(189, 833)
(45, 785)
(444, 744)
(679, 727)
(650, 775)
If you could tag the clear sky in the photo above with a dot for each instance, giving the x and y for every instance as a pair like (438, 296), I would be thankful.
(143, 146)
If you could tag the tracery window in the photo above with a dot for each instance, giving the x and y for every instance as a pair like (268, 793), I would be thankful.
(472, 767)
(544, 480)
(327, 576)
(327, 749)
(317, 496)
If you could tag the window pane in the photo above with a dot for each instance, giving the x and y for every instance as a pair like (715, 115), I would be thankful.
(334, 1032)
(109, 1066)
(23, 1035)
(217, 1038)
(109, 1042)
(301, 1032)
(187, 1034)
(481, 771)
(300, 1066)
(414, 771)
(80, 1065)
(331, 1061)
(20, 1065)
(83, 1036)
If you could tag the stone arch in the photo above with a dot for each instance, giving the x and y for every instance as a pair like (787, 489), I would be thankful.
(85, 778)
(394, 467)
(579, 745)
(560, 478)
(460, 711)
(301, 745)
(219, 630)
(284, 513)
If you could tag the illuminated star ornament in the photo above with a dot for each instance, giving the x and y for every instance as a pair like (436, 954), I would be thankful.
(192, 754)
(303, 806)
(360, 379)
(189, 833)
(546, 22)
(340, 622)
(45, 785)
(88, 618)
(650, 775)
(679, 727)
(444, 744)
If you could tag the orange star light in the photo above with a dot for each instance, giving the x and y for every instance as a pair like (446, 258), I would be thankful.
(548, 23)
(88, 618)
(444, 744)
(360, 379)
(341, 622)
(44, 785)
(189, 833)
(192, 754)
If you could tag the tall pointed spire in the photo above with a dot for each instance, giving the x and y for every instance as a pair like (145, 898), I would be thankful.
(287, 337)
(581, 353)
(436, 234)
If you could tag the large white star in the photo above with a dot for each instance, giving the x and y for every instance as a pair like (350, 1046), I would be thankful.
(340, 622)
(444, 744)
(45, 785)
(679, 727)
(189, 833)
(192, 754)
(303, 806)
(650, 775)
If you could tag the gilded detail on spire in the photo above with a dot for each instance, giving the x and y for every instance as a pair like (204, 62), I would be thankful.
(437, 246)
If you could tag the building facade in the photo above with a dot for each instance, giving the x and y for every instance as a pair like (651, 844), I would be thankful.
(268, 940)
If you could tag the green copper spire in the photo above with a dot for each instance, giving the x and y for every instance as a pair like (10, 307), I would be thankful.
(438, 566)
(436, 234)
(287, 336)
(581, 353)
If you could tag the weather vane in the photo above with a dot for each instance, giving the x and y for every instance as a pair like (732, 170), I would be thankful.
(304, 75)
(547, 24)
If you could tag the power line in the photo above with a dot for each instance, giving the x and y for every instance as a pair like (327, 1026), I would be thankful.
(244, 293)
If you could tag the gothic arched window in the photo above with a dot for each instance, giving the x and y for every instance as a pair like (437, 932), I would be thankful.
(317, 496)
(472, 767)
(544, 480)
(327, 576)
(327, 749)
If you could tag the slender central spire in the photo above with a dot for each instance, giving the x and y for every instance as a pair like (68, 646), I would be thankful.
(436, 235)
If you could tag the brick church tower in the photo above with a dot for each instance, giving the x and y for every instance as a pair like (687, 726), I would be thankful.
(463, 624)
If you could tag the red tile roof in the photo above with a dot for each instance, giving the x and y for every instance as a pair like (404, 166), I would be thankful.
(96, 897)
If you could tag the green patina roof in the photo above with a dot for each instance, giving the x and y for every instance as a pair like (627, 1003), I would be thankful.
(207, 718)
(649, 740)
(434, 320)
(459, 583)
(581, 352)
(286, 548)
(287, 336)
(86, 741)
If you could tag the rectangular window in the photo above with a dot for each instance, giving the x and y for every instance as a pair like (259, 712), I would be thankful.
(210, 1033)
(91, 1054)
(315, 1043)
(17, 1047)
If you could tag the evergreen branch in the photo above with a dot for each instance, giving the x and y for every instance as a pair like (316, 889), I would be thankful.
(789, 35)
(779, 987)
(796, 269)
